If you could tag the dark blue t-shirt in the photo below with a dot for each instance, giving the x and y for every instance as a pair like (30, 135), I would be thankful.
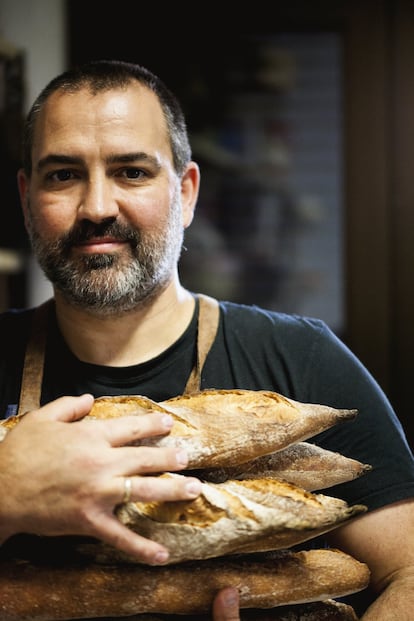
(254, 349)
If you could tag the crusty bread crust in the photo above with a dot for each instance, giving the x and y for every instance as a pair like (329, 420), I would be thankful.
(236, 426)
(222, 427)
(252, 444)
(231, 517)
(304, 464)
(39, 591)
(328, 610)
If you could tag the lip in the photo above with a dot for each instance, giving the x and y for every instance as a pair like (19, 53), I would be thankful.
(101, 245)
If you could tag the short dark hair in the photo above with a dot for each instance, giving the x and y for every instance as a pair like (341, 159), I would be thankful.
(101, 75)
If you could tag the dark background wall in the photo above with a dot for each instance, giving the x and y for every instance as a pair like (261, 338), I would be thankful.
(378, 138)
(210, 62)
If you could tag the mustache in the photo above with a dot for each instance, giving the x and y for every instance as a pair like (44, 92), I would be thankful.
(84, 231)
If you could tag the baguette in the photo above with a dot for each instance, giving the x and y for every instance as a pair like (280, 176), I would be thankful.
(235, 426)
(222, 427)
(328, 610)
(253, 509)
(228, 518)
(56, 591)
(303, 464)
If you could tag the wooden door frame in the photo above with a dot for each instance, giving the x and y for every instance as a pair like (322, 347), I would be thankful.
(401, 201)
(379, 192)
(378, 86)
(367, 182)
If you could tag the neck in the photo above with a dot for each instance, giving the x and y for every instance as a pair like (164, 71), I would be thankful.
(130, 338)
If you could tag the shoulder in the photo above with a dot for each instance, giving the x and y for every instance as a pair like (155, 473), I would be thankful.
(15, 326)
(15, 319)
(299, 356)
(255, 320)
(267, 349)
(240, 312)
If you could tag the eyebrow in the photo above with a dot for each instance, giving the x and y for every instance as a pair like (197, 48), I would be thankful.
(53, 158)
(116, 158)
(128, 158)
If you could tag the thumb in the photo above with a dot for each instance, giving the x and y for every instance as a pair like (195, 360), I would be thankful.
(226, 605)
(68, 409)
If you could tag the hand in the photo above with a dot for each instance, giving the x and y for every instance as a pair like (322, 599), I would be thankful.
(61, 473)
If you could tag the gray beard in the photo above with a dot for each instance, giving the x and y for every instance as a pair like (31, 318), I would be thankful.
(109, 284)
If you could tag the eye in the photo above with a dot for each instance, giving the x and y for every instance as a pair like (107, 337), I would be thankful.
(61, 175)
(134, 173)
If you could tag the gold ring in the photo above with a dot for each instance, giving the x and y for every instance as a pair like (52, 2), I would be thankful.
(127, 490)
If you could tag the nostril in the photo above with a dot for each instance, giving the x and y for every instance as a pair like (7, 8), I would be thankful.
(105, 222)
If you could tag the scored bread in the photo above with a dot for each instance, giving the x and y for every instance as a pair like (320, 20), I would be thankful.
(256, 504)
(57, 591)
(327, 610)
(304, 464)
(239, 425)
(230, 517)
(222, 427)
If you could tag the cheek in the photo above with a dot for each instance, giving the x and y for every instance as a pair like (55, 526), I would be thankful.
(50, 220)
(148, 212)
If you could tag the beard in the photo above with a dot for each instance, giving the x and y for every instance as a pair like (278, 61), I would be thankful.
(109, 284)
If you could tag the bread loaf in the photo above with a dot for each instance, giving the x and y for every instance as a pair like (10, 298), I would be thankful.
(303, 464)
(222, 427)
(251, 445)
(328, 610)
(45, 591)
(235, 426)
(231, 517)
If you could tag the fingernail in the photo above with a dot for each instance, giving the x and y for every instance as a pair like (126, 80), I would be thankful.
(230, 598)
(160, 558)
(167, 421)
(193, 487)
(182, 458)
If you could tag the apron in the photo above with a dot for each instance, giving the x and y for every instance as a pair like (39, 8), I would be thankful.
(208, 320)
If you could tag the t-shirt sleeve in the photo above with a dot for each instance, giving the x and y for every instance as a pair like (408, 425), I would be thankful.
(334, 376)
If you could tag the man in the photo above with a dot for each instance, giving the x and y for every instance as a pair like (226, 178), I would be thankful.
(108, 188)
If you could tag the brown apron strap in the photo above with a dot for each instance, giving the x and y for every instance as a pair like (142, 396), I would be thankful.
(33, 362)
(208, 321)
(30, 392)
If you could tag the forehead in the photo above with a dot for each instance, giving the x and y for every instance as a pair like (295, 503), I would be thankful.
(130, 116)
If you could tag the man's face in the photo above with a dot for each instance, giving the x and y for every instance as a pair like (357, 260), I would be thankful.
(104, 207)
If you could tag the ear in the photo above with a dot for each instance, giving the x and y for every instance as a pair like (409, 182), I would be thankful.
(190, 184)
(23, 186)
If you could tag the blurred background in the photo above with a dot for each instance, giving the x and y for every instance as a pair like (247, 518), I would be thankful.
(301, 116)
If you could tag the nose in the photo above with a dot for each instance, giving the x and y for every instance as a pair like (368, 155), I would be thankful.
(97, 202)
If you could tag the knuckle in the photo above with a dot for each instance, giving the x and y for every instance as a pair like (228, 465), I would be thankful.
(148, 459)
(146, 488)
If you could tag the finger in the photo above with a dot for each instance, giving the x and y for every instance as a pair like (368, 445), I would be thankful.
(158, 489)
(148, 459)
(130, 429)
(67, 409)
(113, 532)
(226, 605)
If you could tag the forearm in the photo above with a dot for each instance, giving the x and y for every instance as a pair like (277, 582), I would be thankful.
(396, 602)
